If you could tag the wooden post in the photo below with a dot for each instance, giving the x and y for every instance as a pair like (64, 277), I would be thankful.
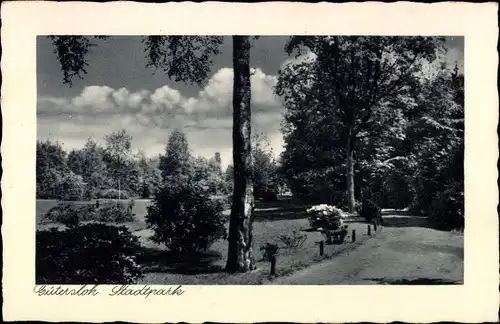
(369, 230)
(321, 248)
(273, 265)
(353, 236)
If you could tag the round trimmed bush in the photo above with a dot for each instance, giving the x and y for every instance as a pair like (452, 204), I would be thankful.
(185, 218)
(87, 254)
(325, 216)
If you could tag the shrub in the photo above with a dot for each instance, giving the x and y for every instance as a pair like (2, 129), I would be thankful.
(370, 211)
(71, 187)
(222, 200)
(115, 212)
(185, 219)
(89, 194)
(448, 208)
(70, 214)
(145, 190)
(87, 254)
(113, 194)
(268, 251)
(325, 216)
(268, 196)
(293, 241)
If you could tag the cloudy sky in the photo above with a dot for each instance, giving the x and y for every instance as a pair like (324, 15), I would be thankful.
(120, 92)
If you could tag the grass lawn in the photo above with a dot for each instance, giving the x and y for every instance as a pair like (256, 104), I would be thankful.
(271, 220)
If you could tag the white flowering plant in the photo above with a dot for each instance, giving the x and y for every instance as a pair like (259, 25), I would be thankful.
(325, 216)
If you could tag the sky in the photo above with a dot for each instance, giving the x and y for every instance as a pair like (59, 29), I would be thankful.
(119, 92)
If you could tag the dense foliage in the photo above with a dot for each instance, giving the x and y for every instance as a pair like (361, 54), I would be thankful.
(364, 120)
(370, 211)
(184, 218)
(116, 172)
(87, 254)
(265, 174)
(354, 88)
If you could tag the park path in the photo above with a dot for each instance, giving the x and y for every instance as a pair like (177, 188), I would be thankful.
(399, 254)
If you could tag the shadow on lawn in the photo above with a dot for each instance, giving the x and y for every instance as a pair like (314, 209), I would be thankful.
(419, 281)
(406, 221)
(279, 212)
(156, 260)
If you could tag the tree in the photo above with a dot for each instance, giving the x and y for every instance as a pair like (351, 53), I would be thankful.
(71, 187)
(51, 167)
(150, 178)
(229, 179)
(436, 133)
(188, 59)
(265, 169)
(176, 163)
(240, 226)
(215, 163)
(118, 158)
(89, 163)
(352, 81)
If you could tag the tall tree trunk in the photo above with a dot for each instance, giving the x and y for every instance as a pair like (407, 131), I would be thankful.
(350, 172)
(240, 226)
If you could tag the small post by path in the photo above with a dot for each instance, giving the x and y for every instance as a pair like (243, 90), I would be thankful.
(353, 236)
(273, 265)
(369, 230)
(375, 226)
(321, 248)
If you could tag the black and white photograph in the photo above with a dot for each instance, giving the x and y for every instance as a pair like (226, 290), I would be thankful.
(250, 160)
(247, 163)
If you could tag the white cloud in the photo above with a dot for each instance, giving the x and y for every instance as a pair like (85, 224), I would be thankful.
(123, 98)
(99, 98)
(216, 97)
(150, 116)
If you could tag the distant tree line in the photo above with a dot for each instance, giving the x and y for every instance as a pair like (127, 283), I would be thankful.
(114, 170)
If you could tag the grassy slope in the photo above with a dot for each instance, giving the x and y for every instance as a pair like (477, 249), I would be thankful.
(271, 220)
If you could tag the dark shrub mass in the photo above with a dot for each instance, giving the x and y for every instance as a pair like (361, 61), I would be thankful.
(115, 212)
(370, 211)
(87, 254)
(185, 218)
(71, 214)
(68, 212)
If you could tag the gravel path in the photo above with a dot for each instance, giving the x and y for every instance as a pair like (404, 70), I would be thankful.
(397, 255)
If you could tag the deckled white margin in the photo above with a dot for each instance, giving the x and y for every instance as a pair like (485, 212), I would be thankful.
(476, 301)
